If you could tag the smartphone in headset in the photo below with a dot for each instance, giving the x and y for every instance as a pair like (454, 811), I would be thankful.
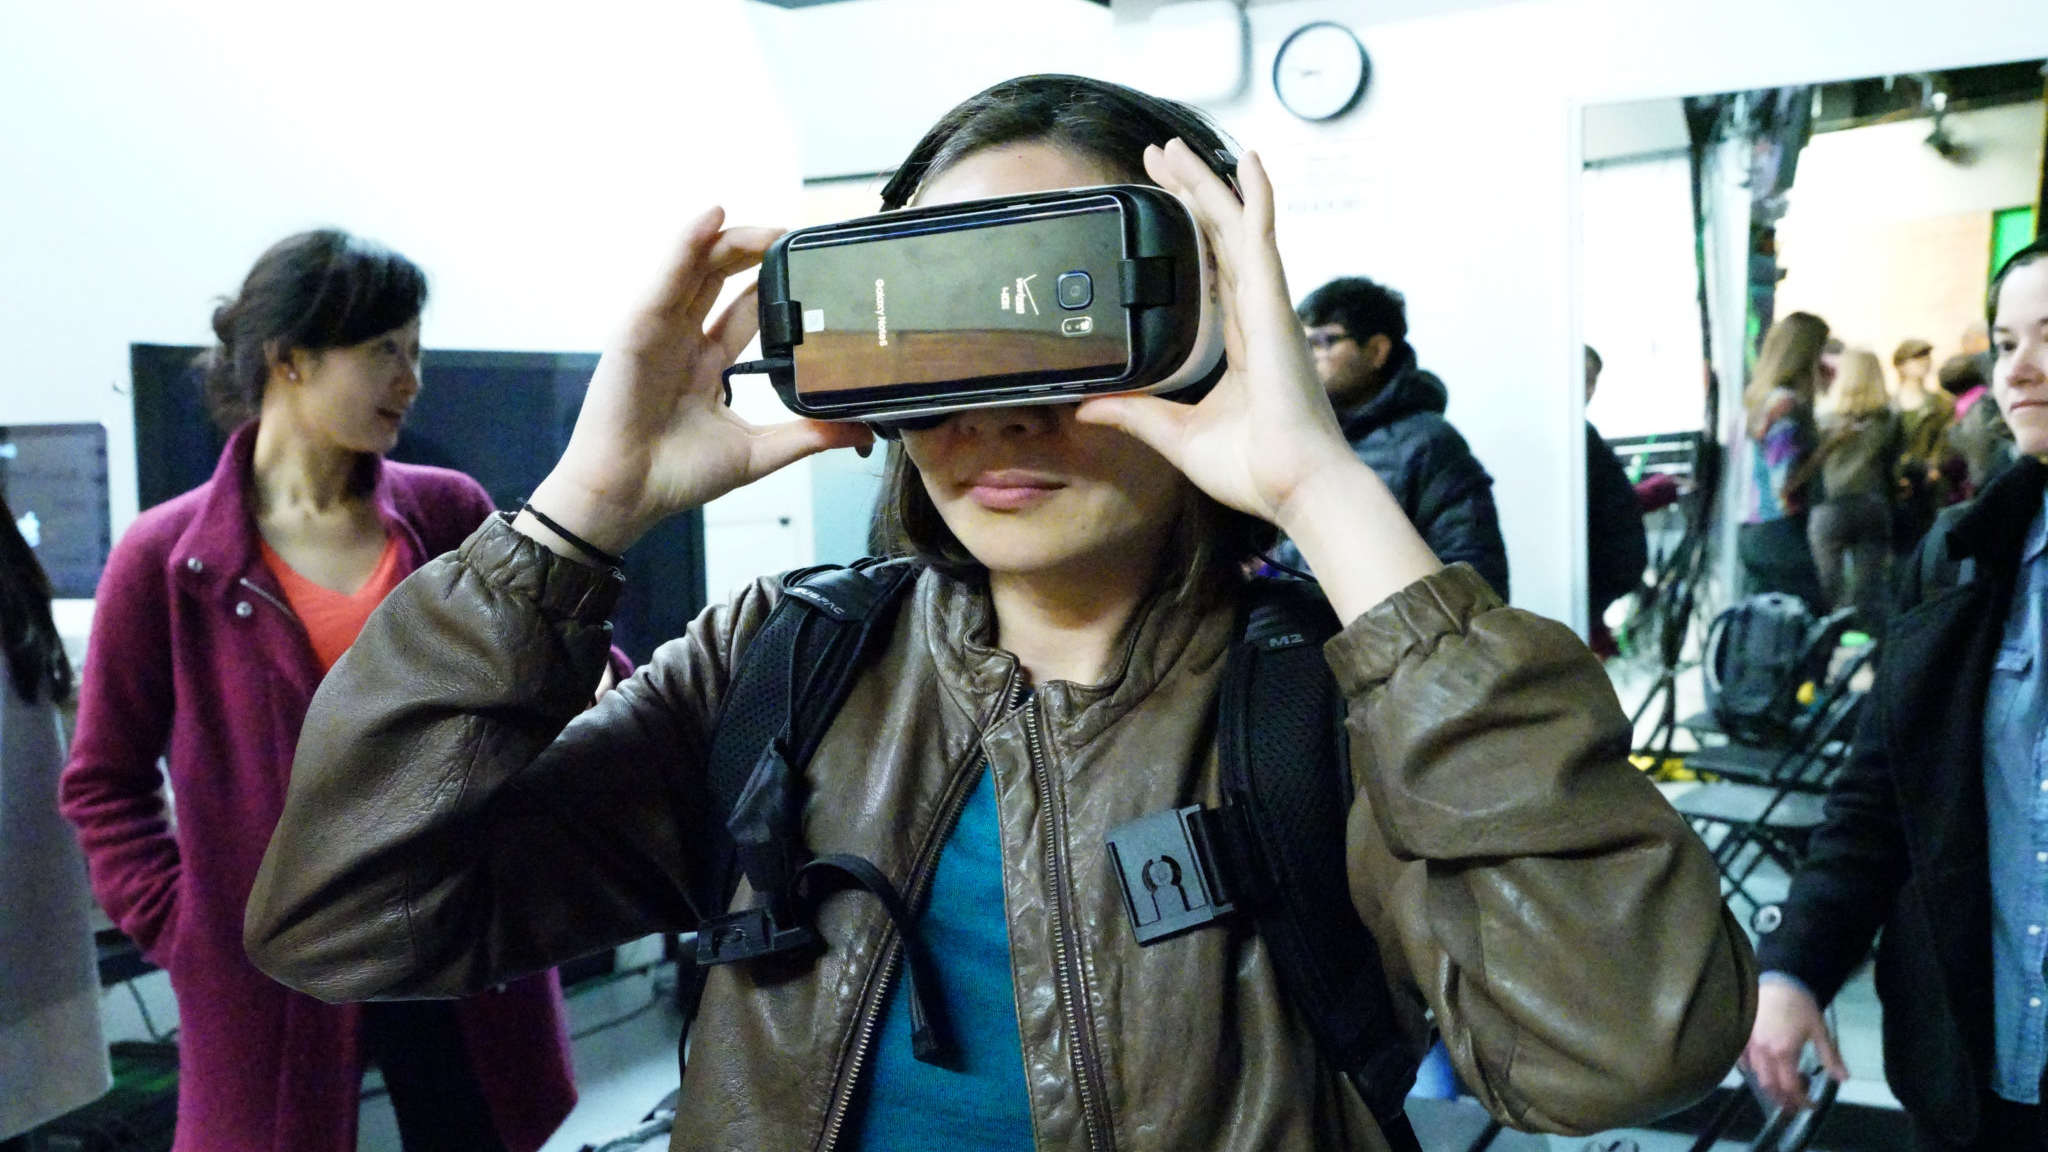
(1040, 298)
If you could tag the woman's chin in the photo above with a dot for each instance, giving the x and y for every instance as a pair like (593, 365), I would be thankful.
(377, 443)
(2029, 429)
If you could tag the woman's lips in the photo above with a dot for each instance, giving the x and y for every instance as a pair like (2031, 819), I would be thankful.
(1008, 491)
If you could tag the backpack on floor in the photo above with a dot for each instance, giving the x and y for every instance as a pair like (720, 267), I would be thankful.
(1758, 653)
(1274, 851)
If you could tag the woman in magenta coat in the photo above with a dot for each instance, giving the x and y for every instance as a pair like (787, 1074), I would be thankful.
(216, 618)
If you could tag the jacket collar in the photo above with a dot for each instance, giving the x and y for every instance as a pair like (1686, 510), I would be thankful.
(1993, 531)
(959, 622)
(221, 537)
(1408, 389)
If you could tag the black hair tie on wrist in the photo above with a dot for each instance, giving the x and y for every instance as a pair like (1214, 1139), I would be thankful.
(579, 543)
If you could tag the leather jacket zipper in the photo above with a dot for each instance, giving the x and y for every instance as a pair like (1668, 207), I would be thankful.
(922, 873)
(1067, 975)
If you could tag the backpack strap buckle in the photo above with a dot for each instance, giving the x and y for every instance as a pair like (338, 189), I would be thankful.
(1168, 866)
(747, 935)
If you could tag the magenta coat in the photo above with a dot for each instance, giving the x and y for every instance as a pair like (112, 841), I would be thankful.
(195, 656)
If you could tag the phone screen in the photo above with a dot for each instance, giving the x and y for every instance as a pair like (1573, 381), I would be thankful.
(944, 302)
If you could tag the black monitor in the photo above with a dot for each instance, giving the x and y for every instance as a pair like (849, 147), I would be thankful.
(55, 479)
(502, 417)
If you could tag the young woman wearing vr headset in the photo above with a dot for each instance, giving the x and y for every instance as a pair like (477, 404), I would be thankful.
(453, 820)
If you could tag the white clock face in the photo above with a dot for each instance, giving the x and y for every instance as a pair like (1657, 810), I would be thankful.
(1321, 71)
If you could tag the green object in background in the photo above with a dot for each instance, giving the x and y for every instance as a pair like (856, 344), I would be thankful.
(2011, 230)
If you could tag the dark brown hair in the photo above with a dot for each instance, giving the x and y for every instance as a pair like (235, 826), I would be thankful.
(1103, 121)
(1959, 374)
(312, 291)
(1111, 125)
(2036, 251)
(1789, 359)
(28, 632)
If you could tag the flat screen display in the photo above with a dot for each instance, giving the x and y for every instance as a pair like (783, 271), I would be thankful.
(55, 479)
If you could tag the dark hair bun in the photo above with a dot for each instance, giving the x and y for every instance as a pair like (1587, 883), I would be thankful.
(224, 321)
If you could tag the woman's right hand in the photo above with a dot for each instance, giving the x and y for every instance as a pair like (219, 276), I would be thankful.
(654, 436)
(1787, 1020)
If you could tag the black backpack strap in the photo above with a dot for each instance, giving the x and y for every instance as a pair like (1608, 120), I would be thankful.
(1285, 764)
(1275, 849)
(791, 680)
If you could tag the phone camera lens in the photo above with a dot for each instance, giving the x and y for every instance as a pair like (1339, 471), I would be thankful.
(1076, 290)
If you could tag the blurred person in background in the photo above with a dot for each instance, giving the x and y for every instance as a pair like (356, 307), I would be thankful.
(1392, 411)
(1773, 546)
(1617, 549)
(1924, 415)
(1980, 442)
(1857, 462)
(52, 1056)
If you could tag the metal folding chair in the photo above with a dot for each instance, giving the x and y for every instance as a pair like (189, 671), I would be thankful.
(1757, 803)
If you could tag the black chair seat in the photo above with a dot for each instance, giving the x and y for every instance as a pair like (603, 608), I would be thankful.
(1736, 762)
(1702, 724)
(1750, 804)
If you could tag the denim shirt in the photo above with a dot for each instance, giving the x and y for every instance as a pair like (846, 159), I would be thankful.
(2016, 803)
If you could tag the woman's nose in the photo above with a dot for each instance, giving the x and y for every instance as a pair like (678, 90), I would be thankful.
(1014, 420)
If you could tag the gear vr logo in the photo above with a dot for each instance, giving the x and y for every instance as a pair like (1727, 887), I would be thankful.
(881, 314)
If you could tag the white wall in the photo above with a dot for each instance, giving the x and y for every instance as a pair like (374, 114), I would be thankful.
(1640, 302)
(1886, 172)
(1887, 240)
(538, 165)
(864, 79)
(1635, 130)
(1456, 181)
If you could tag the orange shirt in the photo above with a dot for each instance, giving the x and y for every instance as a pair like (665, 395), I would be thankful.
(333, 619)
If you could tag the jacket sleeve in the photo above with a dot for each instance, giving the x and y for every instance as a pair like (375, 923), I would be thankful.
(459, 813)
(1560, 919)
(112, 789)
(474, 505)
(1854, 868)
(1454, 508)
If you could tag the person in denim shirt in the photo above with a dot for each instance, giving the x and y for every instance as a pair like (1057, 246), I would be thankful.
(1937, 829)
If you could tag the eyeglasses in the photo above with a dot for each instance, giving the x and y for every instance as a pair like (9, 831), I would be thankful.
(1324, 341)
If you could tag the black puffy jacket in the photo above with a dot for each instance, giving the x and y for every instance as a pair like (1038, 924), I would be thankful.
(1401, 434)
(1617, 550)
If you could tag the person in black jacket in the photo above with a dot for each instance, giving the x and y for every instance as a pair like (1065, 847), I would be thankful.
(1617, 549)
(1934, 829)
(1393, 414)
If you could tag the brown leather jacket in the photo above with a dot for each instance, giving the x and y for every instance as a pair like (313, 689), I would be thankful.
(445, 829)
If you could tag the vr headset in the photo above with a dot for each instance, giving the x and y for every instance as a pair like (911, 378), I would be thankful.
(904, 318)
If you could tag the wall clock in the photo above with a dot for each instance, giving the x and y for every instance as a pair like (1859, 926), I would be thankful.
(1321, 71)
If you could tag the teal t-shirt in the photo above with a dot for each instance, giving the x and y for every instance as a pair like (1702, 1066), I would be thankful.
(915, 1107)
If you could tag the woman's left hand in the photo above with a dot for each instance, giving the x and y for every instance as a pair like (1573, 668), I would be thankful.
(1267, 428)
(1265, 439)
